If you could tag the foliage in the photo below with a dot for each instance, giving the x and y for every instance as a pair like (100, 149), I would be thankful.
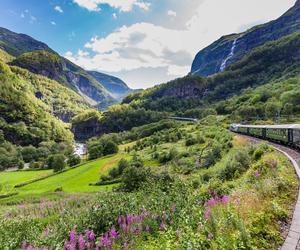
(56, 162)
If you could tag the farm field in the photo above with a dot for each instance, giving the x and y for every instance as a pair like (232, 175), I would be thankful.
(75, 180)
(9, 179)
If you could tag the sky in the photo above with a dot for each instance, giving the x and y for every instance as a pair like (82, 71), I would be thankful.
(144, 42)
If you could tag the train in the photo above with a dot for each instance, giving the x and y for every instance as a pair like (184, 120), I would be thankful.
(288, 134)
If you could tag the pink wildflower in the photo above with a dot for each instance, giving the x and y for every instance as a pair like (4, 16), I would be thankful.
(24, 244)
(225, 199)
(257, 173)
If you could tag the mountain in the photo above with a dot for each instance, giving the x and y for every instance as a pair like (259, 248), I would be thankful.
(232, 48)
(114, 85)
(38, 58)
(17, 44)
(272, 61)
(25, 118)
(60, 101)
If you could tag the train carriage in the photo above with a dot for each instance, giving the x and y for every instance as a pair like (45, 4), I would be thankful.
(278, 134)
(285, 134)
(254, 131)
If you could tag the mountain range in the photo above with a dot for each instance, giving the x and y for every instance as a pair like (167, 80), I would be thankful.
(256, 57)
(38, 58)
(233, 76)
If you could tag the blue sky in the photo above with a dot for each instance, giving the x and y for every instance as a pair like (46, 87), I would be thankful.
(145, 42)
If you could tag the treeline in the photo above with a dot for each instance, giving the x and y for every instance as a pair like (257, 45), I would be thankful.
(50, 155)
(118, 118)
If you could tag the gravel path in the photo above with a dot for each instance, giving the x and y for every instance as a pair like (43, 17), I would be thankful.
(292, 242)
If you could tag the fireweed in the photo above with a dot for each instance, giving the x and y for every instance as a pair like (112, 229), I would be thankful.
(129, 229)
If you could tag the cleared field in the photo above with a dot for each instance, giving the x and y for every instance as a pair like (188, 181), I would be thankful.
(9, 179)
(75, 180)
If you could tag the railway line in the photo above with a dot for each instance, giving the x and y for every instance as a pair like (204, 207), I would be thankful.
(292, 241)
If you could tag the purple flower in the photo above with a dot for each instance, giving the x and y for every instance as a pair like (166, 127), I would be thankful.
(257, 173)
(238, 201)
(92, 236)
(24, 244)
(66, 245)
(113, 233)
(147, 229)
(225, 199)
(81, 243)
(162, 227)
(207, 214)
(73, 237)
(46, 232)
(210, 236)
(212, 202)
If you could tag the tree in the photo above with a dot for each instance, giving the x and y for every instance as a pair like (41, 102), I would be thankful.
(110, 147)
(133, 178)
(56, 162)
(288, 109)
(273, 109)
(73, 160)
(95, 151)
(29, 153)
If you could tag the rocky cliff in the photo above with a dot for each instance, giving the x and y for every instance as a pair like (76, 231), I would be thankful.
(230, 49)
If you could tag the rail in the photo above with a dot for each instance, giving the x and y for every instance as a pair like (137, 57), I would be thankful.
(186, 119)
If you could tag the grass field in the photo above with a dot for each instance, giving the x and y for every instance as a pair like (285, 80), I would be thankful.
(9, 179)
(75, 180)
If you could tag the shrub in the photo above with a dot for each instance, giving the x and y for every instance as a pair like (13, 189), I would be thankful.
(95, 151)
(56, 162)
(133, 178)
(73, 160)
(21, 165)
(190, 141)
(236, 165)
(110, 148)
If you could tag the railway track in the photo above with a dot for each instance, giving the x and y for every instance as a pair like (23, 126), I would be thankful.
(292, 241)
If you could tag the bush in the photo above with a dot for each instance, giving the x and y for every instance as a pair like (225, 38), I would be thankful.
(95, 151)
(133, 178)
(190, 141)
(110, 148)
(74, 160)
(35, 165)
(56, 162)
(236, 165)
(21, 165)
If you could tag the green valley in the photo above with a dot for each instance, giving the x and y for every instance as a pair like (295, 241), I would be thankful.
(209, 160)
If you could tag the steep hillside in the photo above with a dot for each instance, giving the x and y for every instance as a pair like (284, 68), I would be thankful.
(38, 58)
(271, 61)
(26, 120)
(60, 69)
(230, 49)
(114, 85)
(17, 44)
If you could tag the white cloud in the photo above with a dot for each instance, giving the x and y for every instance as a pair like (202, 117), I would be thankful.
(172, 13)
(22, 15)
(122, 5)
(53, 23)
(58, 9)
(114, 15)
(145, 45)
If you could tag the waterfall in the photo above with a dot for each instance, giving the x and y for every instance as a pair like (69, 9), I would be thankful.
(231, 54)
